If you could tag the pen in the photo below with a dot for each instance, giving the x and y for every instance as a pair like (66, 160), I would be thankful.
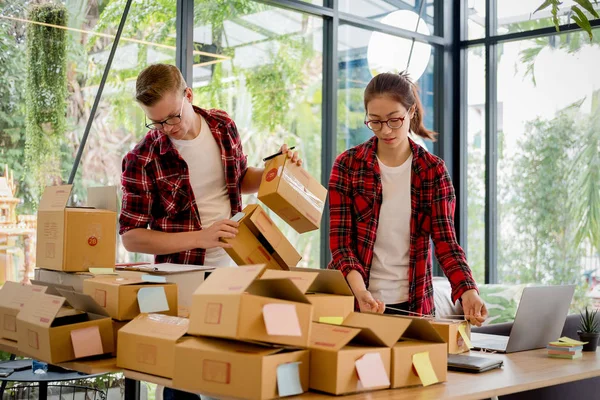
(277, 154)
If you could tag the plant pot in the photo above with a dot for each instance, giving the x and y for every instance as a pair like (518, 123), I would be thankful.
(590, 338)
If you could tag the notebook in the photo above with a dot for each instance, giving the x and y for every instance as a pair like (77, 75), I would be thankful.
(457, 362)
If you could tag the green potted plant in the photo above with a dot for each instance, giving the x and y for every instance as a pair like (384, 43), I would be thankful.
(589, 330)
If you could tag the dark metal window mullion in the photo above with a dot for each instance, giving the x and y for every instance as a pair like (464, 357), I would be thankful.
(184, 40)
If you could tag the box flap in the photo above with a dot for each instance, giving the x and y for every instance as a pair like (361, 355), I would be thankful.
(102, 198)
(265, 225)
(157, 325)
(303, 280)
(234, 280)
(83, 302)
(282, 289)
(329, 281)
(113, 280)
(385, 329)
(229, 346)
(15, 295)
(330, 337)
(55, 198)
(421, 329)
(41, 309)
(51, 287)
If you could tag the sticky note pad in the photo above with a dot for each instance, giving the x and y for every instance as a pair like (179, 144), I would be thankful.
(371, 371)
(154, 278)
(103, 271)
(422, 364)
(568, 340)
(281, 320)
(288, 379)
(465, 336)
(87, 342)
(152, 300)
(332, 320)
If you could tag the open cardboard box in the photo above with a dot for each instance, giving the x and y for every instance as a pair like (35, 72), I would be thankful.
(417, 335)
(13, 297)
(49, 332)
(122, 295)
(233, 303)
(259, 241)
(222, 368)
(186, 277)
(326, 289)
(450, 331)
(294, 195)
(76, 239)
(147, 344)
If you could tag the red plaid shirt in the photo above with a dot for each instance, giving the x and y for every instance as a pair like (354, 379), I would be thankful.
(157, 190)
(355, 197)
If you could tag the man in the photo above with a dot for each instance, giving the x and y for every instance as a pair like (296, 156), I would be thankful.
(185, 179)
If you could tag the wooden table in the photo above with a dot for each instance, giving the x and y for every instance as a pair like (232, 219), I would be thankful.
(521, 372)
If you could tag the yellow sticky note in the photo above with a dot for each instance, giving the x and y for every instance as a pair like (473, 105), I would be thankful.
(332, 320)
(568, 340)
(422, 364)
(465, 336)
(103, 271)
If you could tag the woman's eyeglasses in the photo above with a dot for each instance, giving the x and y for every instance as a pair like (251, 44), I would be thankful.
(392, 123)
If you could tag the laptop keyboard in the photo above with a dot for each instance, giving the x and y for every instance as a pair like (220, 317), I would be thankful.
(491, 342)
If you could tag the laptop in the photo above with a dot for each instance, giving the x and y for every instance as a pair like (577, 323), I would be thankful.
(540, 319)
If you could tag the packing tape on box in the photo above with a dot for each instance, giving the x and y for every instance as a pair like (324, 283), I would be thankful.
(304, 192)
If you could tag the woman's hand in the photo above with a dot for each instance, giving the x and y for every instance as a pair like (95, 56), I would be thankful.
(367, 303)
(473, 307)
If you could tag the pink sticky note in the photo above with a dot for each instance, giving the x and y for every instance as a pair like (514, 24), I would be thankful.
(87, 342)
(371, 371)
(281, 319)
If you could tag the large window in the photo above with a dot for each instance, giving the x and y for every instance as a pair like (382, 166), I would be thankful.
(542, 121)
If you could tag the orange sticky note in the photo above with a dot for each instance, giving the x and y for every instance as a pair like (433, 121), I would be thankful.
(87, 342)
(422, 364)
(465, 336)
(371, 371)
(281, 320)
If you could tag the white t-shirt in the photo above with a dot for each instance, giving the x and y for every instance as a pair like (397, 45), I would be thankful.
(207, 177)
(388, 280)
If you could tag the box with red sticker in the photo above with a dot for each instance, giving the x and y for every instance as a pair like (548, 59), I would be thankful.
(293, 194)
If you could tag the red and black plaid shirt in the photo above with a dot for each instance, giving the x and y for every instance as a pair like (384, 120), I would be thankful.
(355, 197)
(157, 190)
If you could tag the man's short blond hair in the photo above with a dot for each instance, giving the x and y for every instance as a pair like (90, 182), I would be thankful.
(157, 80)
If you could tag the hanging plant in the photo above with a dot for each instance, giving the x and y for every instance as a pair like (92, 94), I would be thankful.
(45, 91)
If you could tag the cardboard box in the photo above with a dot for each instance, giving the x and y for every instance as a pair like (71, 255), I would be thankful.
(417, 335)
(147, 344)
(119, 295)
(326, 289)
(49, 332)
(186, 277)
(294, 195)
(449, 331)
(259, 241)
(72, 279)
(74, 239)
(335, 351)
(222, 368)
(13, 297)
(233, 303)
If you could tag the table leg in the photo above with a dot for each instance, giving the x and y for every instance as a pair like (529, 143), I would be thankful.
(132, 389)
(43, 390)
(3, 386)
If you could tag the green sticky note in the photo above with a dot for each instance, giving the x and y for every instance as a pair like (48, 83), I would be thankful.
(331, 320)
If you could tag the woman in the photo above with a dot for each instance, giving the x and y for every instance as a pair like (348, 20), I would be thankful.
(387, 198)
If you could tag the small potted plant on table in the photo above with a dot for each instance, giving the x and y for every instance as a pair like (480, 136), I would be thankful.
(589, 330)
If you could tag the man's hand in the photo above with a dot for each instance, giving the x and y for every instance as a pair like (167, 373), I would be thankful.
(291, 154)
(473, 307)
(209, 238)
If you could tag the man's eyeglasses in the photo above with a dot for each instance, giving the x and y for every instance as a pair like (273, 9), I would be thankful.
(392, 123)
(174, 120)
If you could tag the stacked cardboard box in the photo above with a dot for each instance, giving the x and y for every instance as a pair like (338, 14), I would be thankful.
(456, 333)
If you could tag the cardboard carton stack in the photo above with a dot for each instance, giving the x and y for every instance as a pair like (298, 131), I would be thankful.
(371, 351)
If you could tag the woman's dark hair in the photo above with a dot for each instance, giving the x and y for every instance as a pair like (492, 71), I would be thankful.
(402, 89)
